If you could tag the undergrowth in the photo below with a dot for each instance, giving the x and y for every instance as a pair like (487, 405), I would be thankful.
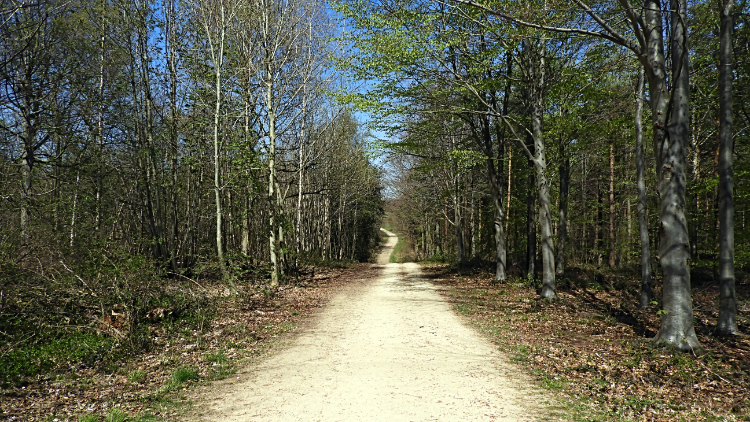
(115, 337)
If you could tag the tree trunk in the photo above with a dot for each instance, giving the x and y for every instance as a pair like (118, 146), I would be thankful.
(171, 41)
(27, 167)
(696, 220)
(598, 236)
(612, 261)
(510, 178)
(646, 293)
(531, 222)
(677, 327)
(562, 234)
(272, 181)
(727, 322)
(458, 228)
(496, 196)
(217, 57)
(74, 211)
(537, 81)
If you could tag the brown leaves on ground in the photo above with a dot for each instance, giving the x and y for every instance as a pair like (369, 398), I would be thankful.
(592, 344)
(241, 328)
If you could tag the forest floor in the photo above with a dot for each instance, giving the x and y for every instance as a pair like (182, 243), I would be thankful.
(208, 341)
(591, 345)
(588, 353)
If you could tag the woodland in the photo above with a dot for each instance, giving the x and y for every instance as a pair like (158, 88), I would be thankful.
(165, 162)
(146, 145)
(508, 116)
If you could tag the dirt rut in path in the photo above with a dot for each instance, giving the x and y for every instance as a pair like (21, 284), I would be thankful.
(390, 350)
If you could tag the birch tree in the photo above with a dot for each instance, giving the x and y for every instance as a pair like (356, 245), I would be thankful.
(215, 20)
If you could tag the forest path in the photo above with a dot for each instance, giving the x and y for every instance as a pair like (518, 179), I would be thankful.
(388, 350)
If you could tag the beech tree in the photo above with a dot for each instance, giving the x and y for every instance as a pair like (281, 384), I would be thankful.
(670, 107)
(727, 322)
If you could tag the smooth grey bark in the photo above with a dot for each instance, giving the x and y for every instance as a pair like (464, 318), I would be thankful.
(677, 327)
(696, 221)
(498, 212)
(496, 194)
(727, 321)
(495, 174)
(543, 182)
(562, 223)
(646, 292)
(612, 259)
(535, 74)
(510, 179)
(531, 221)
(218, 59)
(458, 226)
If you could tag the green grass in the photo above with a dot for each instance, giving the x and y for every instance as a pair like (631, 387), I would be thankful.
(465, 309)
(184, 374)
(400, 252)
(219, 372)
(218, 357)
(521, 354)
(136, 376)
(46, 350)
(116, 415)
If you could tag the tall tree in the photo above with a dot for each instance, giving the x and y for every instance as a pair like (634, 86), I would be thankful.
(669, 100)
(646, 292)
(727, 322)
(215, 19)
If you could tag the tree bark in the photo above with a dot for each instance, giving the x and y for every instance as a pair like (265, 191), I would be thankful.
(496, 196)
(271, 178)
(677, 327)
(537, 78)
(217, 57)
(727, 322)
(562, 233)
(612, 261)
(646, 293)
(531, 221)
(171, 47)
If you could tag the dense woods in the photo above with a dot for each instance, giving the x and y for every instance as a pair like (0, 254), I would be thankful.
(147, 140)
(523, 138)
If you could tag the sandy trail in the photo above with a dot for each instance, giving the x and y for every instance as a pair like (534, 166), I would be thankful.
(390, 350)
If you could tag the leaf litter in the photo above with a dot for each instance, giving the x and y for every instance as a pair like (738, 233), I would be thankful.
(592, 345)
(144, 385)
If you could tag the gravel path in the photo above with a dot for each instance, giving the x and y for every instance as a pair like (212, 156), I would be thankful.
(391, 350)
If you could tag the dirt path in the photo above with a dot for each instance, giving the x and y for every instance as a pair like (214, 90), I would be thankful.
(390, 350)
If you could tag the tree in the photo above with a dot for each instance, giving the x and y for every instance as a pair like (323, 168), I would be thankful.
(670, 107)
(215, 18)
(36, 61)
(727, 322)
(646, 292)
